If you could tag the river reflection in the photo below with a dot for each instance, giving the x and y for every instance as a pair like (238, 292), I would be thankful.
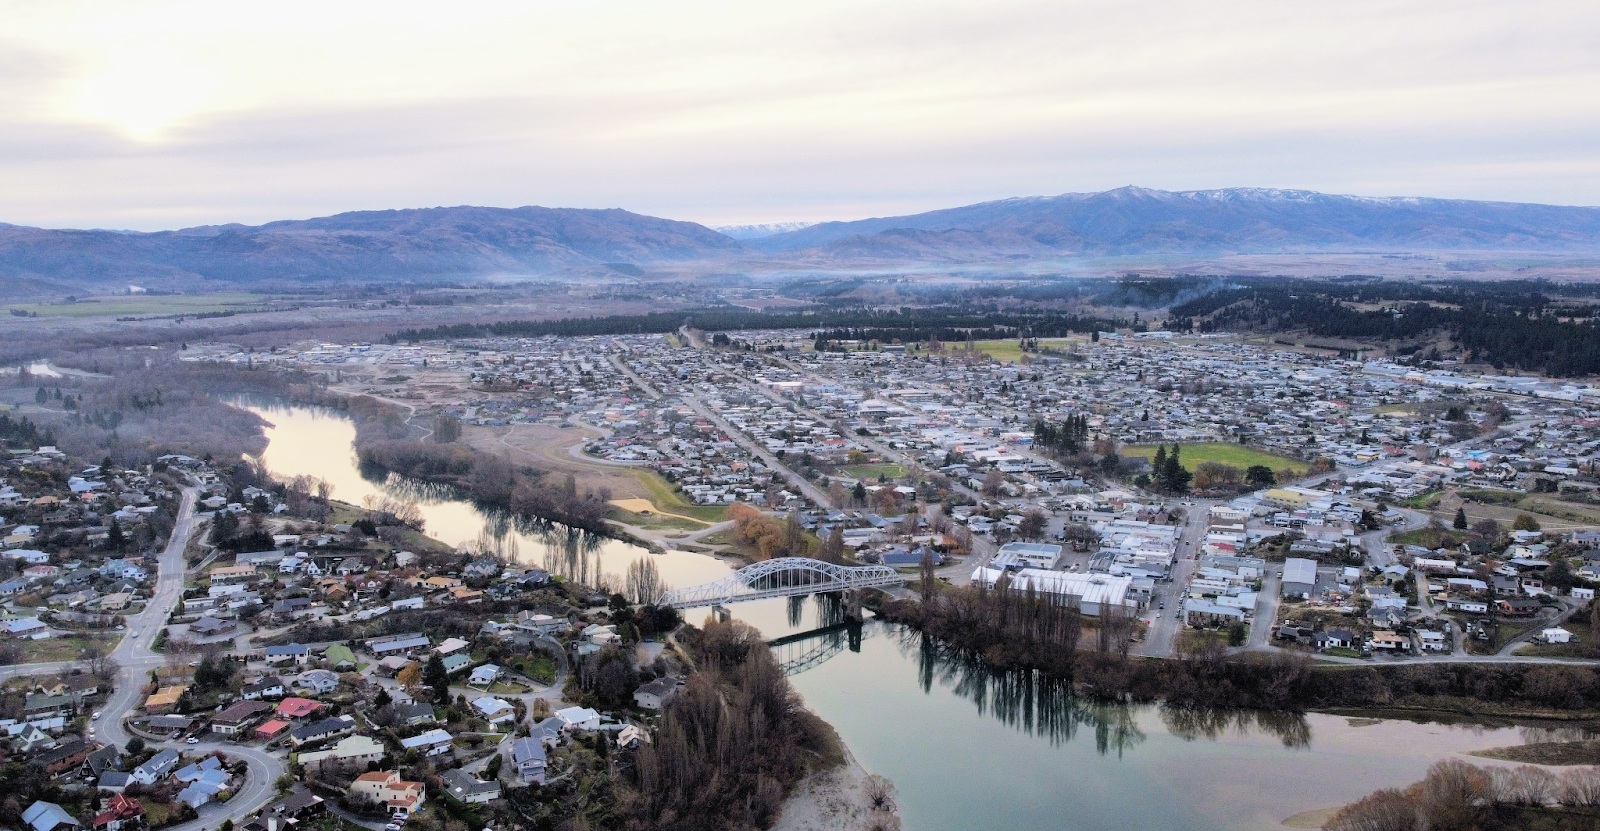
(968, 747)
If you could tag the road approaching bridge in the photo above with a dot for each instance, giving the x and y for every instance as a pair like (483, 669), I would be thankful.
(781, 577)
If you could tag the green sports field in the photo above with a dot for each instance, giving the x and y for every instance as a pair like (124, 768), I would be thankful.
(1237, 455)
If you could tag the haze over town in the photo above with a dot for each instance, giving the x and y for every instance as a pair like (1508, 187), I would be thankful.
(702, 416)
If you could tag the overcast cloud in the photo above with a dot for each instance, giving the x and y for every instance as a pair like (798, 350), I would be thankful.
(163, 114)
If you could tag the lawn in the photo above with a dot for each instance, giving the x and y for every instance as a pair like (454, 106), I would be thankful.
(62, 648)
(1425, 501)
(667, 500)
(653, 521)
(1579, 647)
(869, 473)
(1237, 455)
(142, 304)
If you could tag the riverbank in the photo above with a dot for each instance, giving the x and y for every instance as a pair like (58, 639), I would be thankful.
(829, 800)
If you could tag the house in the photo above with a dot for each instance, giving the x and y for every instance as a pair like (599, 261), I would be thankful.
(296, 653)
(456, 663)
(298, 804)
(64, 758)
(464, 787)
(632, 735)
(194, 772)
(397, 644)
(48, 816)
(205, 787)
(155, 768)
(239, 716)
(1518, 606)
(24, 627)
(1388, 642)
(484, 676)
(494, 710)
(272, 729)
(319, 681)
(528, 755)
(540, 624)
(168, 725)
(121, 812)
(450, 646)
(102, 760)
(31, 739)
(548, 732)
(208, 627)
(413, 714)
(481, 567)
(350, 750)
(656, 694)
(45, 706)
(1299, 577)
(1334, 639)
(1432, 640)
(340, 657)
(431, 743)
(322, 730)
(579, 718)
(265, 688)
(386, 788)
(1555, 634)
(114, 781)
(299, 708)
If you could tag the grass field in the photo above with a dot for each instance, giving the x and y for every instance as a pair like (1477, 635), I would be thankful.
(1237, 455)
(653, 521)
(870, 472)
(1394, 409)
(62, 649)
(670, 501)
(143, 304)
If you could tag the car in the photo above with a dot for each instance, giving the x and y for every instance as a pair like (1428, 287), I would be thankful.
(1280, 575)
(96, 716)
(91, 729)
(393, 826)
(191, 740)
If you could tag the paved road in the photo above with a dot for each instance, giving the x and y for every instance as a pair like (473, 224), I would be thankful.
(136, 658)
(1162, 635)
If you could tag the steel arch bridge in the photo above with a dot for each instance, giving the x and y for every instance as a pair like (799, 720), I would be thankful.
(780, 577)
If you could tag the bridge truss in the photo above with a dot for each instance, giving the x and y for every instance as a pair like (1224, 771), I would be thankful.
(780, 577)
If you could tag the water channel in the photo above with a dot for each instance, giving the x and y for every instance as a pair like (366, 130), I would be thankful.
(968, 748)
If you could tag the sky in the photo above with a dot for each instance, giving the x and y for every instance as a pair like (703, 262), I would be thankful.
(150, 115)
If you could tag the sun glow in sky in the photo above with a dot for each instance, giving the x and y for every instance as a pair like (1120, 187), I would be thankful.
(162, 114)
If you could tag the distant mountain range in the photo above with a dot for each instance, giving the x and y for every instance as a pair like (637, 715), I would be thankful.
(1134, 220)
(744, 232)
(425, 244)
(469, 242)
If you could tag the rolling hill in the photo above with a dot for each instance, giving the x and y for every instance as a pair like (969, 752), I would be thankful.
(424, 244)
(1239, 220)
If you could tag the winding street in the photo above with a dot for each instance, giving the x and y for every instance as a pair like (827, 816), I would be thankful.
(135, 658)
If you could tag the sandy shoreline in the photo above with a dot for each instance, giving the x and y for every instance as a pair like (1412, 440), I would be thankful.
(833, 800)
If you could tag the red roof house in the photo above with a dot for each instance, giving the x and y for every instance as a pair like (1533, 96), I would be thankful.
(272, 728)
(298, 708)
(120, 811)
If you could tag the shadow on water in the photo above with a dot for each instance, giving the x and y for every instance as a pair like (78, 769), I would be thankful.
(1191, 723)
(571, 553)
(834, 633)
(1029, 701)
(1042, 706)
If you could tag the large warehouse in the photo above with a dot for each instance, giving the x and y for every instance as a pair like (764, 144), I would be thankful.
(1089, 593)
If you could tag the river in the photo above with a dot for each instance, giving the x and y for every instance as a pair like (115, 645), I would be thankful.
(968, 748)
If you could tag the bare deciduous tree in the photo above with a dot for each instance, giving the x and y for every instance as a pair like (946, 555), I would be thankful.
(643, 581)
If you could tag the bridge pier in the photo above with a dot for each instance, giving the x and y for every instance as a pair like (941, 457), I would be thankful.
(721, 614)
(852, 604)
